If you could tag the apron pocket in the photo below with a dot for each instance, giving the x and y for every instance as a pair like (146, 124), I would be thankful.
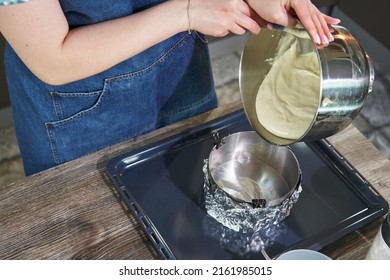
(117, 114)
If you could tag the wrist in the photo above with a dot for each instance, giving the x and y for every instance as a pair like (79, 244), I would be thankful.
(182, 9)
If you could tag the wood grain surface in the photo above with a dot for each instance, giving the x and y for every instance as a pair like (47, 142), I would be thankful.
(72, 211)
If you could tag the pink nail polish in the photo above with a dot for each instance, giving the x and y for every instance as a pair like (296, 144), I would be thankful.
(325, 39)
(331, 36)
(317, 39)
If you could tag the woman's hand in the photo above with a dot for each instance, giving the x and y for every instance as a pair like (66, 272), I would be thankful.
(219, 17)
(284, 12)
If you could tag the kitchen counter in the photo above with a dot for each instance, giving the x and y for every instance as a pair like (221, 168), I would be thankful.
(72, 211)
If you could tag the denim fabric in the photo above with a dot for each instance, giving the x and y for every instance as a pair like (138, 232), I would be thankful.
(164, 84)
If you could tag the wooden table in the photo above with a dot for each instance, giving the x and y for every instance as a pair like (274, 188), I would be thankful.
(73, 212)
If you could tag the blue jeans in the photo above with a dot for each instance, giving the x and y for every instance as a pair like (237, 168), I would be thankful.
(164, 84)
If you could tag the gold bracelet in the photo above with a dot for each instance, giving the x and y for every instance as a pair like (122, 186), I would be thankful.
(188, 16)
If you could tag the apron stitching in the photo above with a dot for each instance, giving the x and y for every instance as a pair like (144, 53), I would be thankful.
(81, 113)
(52, 144)
(56, 104)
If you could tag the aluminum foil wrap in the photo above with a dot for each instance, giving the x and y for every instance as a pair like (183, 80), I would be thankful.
(238, 226)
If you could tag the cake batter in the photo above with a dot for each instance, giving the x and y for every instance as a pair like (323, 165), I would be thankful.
(288, 98)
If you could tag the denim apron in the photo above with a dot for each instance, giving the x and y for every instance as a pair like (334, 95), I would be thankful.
(166, 83)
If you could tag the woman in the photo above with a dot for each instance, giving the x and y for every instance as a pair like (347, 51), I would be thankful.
(83, 75)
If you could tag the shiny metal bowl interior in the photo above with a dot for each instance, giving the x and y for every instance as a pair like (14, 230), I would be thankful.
(346, 71)
(249, 169)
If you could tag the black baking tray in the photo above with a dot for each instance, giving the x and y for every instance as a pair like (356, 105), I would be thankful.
(162, 184)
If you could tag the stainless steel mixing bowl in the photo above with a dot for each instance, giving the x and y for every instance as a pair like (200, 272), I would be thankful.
(346, 77)
(251, 170)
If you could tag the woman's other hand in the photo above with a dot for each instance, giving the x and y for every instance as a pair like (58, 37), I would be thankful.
(285, 12)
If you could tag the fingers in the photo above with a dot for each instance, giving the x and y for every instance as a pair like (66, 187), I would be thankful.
(243, 21)
(291, 21)
(250, 25)
(316, 23)
(249, 19)
(219, 18)
(242, 24)
(331, 20)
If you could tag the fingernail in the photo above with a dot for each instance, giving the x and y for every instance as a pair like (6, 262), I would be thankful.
(274, 26)
(326, 41)
(317, 39)
(269, 26)
(331, 36)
